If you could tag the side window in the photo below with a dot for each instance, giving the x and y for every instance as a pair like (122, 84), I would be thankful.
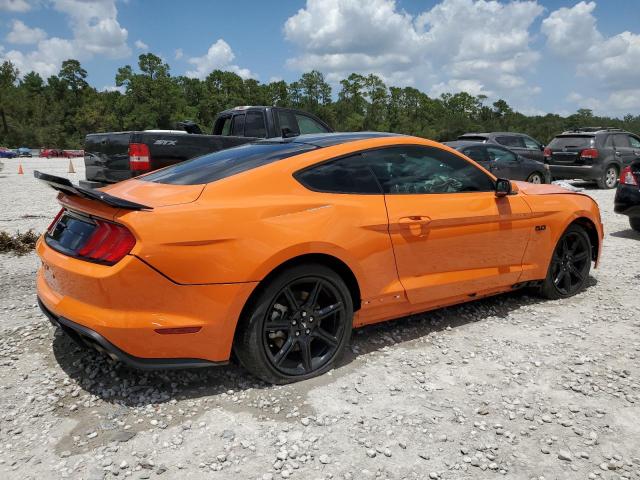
(634, 142)
(346, 175)
(254, 125)
(223, 126)
(414, 169)
(609, 141)
(237, 126)
(309, 125)
(510, 141)
(478, 154)
(530, 144)
(501, 155)
(620, 140)
(288, 123)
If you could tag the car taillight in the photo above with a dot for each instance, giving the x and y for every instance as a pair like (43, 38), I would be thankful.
(590, 153)
(108, 243)
(139, 157)
(627, 177)
(55, 221)
(547, 152)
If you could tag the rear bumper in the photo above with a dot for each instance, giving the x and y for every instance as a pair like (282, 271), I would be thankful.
(627, 201)
(90, 338)
(570, 172)
(121, 307)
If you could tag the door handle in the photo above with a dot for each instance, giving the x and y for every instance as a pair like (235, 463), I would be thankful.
(414, 220)
(618, 153)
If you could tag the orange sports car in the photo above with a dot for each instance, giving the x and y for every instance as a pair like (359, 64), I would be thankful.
(275, 250)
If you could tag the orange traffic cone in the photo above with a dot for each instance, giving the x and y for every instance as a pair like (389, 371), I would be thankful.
(20, 170)
(71, 169)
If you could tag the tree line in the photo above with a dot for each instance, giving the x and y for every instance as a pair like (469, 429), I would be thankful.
(61, 110)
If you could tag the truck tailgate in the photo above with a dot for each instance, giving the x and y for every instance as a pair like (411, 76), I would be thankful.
(106, 157)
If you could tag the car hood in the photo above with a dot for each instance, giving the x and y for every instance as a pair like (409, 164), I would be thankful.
(544, 189)
(154, 194)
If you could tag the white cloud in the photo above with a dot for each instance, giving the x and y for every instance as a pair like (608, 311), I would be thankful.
(140, 45)
(178, 54)
(476, 45)
(96, 31)
(22, 34)
(611, 63)
(15, 5)
(113, 88)
(218, 57)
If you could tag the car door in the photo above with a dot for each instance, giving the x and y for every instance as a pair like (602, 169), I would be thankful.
(634, 143)
(505, 164)
(451, 236)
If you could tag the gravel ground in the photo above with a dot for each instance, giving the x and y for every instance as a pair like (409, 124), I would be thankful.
(510, 386)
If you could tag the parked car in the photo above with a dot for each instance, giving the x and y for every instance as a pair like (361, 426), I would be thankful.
(502, 162)
(51, 153)
(24, 152)
(270, 247)
(73, 153)
(519, 143)
(116, 156)
(627, 201)
(595, 153)
(6, 153)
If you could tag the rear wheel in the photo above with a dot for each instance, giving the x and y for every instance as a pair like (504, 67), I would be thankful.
(635, 223)
(570, 264)
(535, 177)
(298, 325)
(609, 178)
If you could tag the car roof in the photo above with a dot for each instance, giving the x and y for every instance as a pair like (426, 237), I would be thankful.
(464, 143)
(488, 134)
(329, 139)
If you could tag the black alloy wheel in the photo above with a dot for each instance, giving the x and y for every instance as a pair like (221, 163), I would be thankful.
(299, 327)
(570, 264)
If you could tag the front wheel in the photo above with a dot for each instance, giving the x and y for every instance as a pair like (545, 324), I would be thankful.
(298, 325)
(570, 264)
(609, 178)
(634, 222)
(536, 178)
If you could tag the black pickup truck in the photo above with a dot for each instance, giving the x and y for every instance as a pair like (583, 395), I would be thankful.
(115, 156)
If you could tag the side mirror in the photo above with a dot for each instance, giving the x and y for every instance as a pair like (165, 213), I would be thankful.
(542, 147)
(503, 187)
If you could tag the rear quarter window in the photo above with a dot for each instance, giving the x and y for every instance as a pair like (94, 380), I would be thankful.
(225, 163)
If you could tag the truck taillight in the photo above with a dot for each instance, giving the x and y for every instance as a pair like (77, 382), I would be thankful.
(590, 153)
(139, 157)
(108, 243)
(627, 177)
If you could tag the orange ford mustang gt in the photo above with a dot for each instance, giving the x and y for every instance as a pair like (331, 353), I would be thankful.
(276, 249)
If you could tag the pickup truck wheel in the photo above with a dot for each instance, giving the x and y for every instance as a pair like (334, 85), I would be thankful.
(635, 223)
(297, 327)
(570, 265)
(536, 178)
(609, 178)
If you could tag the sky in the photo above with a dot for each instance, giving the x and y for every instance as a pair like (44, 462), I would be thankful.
(539, 55)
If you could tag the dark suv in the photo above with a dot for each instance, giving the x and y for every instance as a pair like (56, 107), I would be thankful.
(522, 144)
(592, 153)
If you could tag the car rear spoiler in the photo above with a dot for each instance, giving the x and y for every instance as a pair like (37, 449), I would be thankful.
(64, 185)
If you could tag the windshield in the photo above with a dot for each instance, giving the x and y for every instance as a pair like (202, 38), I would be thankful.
(225, 163)
(572, 141)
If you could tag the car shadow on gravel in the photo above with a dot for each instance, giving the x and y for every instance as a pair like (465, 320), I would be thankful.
(116, 383)
(628, 234)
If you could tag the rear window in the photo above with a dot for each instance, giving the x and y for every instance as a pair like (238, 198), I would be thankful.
(572, 141)
(225, 163)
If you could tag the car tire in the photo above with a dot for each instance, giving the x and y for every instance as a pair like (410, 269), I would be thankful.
(634, 222)
(609, 178)
(536, 177)
(569, 266)
(280, 342)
